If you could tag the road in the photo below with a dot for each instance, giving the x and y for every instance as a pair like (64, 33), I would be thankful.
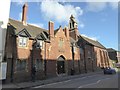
(94, 81)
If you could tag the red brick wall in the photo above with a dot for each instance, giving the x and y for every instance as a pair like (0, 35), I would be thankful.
(102, 57)
(53, 50)
(18, 52)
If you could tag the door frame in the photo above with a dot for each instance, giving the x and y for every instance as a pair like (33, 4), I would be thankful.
(63, 59)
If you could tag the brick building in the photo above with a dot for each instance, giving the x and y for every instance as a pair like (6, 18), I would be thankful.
(53, 52)
(112, 54)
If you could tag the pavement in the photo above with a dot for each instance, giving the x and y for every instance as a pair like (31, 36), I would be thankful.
(92, 81)
(29, 84)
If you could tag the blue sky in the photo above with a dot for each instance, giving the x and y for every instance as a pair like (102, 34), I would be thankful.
(96, 20)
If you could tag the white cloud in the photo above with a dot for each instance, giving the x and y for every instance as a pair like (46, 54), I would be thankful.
(95, 6)
(20, 16)
(4, 12)
(37, 25)
(91, 37)
(99, 6)
(60, 13)
(114, 5)
(81, 25)
(21, 2)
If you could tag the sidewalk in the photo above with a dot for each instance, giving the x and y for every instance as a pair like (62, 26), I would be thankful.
(47, 81)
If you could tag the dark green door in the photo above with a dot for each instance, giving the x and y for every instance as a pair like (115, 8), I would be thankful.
(61, 65)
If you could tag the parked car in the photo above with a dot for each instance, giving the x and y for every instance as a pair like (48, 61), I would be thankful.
(109, 71)
(118, 65)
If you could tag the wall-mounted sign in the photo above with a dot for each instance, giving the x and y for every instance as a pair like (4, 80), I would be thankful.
(3, 70)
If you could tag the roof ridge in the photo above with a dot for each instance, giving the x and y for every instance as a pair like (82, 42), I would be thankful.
(15, 20)
(29, 24)
(89, 38)
(94, 42)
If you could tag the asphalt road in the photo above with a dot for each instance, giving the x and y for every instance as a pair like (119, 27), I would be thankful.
(94, 81)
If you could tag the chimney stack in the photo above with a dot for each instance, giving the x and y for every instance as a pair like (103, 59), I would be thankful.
(24, 14)
(51, 29)
(66, 32)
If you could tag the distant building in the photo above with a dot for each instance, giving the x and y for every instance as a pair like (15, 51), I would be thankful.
(54, 52)
(112, 54)
(118, 56)
(95, 52)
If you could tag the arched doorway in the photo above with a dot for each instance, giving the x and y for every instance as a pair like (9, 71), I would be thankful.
(61, 65)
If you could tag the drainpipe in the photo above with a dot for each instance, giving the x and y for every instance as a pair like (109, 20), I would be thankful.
(32, 62)
(73, 69)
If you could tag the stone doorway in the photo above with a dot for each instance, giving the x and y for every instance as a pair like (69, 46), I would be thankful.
(61, 65)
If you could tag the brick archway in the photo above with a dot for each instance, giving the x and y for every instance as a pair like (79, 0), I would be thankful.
(61, 65)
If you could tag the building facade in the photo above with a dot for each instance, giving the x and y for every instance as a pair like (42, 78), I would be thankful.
(112, 54)
(52, 52)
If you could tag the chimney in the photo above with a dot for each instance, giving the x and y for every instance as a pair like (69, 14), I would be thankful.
(66, 32)
(24, 14)
(51, 29)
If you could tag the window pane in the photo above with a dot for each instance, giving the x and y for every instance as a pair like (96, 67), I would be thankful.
(20, 41)
(24, 41)
(74, 48)
(41, 43)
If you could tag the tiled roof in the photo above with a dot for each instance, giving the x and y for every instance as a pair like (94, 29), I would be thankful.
(111, 50)
(55, 31)
(33, 30)
(93, 42)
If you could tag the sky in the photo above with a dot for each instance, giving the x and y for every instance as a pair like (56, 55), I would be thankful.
(96, 20)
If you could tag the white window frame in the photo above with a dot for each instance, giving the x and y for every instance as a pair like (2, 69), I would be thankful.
(74, 49)
(23, 41)
(39, 44)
